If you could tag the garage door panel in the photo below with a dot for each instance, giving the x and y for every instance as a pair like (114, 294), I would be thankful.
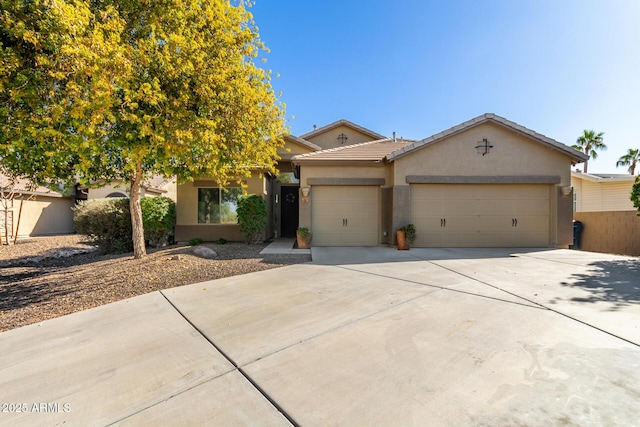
(345, 215)
(481, 215)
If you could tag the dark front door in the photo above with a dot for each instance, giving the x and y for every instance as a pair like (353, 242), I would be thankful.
(289, 211)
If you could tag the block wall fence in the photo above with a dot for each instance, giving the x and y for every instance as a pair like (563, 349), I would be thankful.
(615, 232)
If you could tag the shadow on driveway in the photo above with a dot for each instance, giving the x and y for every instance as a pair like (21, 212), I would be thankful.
(614, 281)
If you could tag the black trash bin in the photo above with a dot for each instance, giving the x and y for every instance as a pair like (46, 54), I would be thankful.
(577, 230)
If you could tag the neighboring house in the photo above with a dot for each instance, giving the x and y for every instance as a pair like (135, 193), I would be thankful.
(603, 205)
(44, 212)
(156, 186)
(602, 192)
(486, 182)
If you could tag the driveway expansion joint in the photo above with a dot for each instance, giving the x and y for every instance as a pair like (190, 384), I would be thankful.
(234, 364)
(452, 289)
(541, 305)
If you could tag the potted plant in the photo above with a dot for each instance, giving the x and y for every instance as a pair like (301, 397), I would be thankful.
(406, 235)
(304, 237)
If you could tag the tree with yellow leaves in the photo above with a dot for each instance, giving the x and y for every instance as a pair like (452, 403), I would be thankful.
(122, 90)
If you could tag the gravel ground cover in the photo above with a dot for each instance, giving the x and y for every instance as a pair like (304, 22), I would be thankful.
(47, 277)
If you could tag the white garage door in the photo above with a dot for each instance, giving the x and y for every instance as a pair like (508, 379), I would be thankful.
(458, 215)
(344, 215)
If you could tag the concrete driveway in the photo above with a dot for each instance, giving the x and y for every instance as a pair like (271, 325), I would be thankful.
(361, 336)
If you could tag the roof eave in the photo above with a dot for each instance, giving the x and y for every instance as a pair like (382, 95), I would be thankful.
(336, 162)
(594, 178)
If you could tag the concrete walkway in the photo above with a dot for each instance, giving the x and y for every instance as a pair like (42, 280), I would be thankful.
(284, 246)
(361, 336)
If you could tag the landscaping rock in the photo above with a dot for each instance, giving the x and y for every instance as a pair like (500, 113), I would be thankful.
(205, 252)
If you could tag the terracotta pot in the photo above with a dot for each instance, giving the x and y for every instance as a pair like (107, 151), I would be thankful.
(303, 243)
(403, 243)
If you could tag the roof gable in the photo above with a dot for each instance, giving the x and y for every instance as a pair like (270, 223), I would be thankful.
(575, 155)
(302, 142)
(342, 122)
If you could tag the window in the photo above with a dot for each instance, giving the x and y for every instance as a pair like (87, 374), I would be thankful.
(287, 178)
(575, 200)
(218, 205)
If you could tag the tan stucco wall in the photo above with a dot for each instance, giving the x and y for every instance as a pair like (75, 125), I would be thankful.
(602, 196)
(44, 216)
(291, 149)
(329, 139)
(511, 155)
(312, 171)
(187, 225)
(102, 192)
(616, 232)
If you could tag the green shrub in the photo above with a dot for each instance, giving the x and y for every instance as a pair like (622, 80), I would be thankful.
(635, 194)
(107, 222)
(221, 241)
(409, 232)
(159, 219)
(195, 241)
(252, 217)
(304, 233)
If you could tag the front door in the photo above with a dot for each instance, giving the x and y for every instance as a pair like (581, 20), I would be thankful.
(289, 210)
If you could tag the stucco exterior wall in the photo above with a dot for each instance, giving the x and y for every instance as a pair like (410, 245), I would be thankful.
(329, 139)
(312, 171)
(102, 192)
(187, 225)
(511, 155)
(291, 149)
(602, 196)
(616, 232)
(44, 216)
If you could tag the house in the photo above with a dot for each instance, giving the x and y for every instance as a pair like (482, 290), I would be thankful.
(602, 192)
(486, 182)
(41, 211)
(155, 186)
(603, 205)
(45, 212)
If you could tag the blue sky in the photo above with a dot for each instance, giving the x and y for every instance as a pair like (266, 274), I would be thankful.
(419, 67)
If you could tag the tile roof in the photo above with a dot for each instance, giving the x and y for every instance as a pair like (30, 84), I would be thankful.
(25, 186)
(490, 117)
(370, 152)
(341, 122)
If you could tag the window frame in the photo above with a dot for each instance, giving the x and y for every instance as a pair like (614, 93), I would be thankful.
(220, 203)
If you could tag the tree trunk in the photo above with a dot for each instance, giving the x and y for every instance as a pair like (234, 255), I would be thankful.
(586, 162)
(15, 236)
(137, 227)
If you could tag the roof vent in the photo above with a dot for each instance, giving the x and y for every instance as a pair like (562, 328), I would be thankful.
(315, 127)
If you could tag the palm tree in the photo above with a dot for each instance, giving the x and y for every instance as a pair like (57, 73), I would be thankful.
(631, 159)
(588, 143)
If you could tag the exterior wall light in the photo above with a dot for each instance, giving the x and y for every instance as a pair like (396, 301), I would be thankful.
(483, 146)
(566, 190)
(305, 194)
